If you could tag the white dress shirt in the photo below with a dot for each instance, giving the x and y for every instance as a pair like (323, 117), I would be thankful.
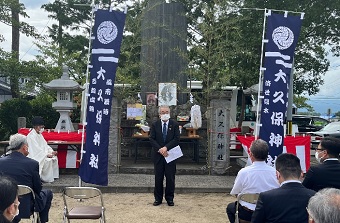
(256, 178)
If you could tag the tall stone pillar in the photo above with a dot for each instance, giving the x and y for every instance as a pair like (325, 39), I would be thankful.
(164, 47)
(114, 137)
(219, 134)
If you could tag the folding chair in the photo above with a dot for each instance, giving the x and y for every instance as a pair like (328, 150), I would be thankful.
(23, 190)
(249, 198)
(84, 211)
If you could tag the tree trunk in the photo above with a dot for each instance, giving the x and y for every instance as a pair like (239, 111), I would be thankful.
(60, 39)
(15, 49)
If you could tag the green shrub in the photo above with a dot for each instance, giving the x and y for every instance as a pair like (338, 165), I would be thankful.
(10, 110)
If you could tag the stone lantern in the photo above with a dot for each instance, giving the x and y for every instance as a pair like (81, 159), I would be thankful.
(64, 104)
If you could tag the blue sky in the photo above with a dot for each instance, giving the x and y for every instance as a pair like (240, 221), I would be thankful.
(329, 94)
(34, 3)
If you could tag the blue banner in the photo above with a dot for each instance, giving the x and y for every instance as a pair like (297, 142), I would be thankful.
(107, 38)
(282, 35)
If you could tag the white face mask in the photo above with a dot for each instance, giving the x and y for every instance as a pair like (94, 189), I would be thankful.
(16, 213)
(41, 130)
(317, 157)
(165, 117)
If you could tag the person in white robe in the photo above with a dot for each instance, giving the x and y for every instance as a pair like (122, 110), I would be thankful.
(40, 151)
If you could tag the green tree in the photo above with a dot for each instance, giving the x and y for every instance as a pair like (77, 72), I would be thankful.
(6, 7)
(320, 27)
(42, 106)
(301, 102)
(9, 14)
(337, 114)
(71, 16)
(129, 61)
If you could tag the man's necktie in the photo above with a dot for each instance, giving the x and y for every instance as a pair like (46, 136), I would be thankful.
(164, 131)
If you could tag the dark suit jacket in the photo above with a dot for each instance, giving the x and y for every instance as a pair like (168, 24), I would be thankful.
(324, 175)
(286, 204)
(156, 137)
(24, 171)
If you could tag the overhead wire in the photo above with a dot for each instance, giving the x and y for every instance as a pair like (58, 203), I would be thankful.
(34, 43)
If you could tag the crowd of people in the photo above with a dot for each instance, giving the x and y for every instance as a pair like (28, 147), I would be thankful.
(285, 193)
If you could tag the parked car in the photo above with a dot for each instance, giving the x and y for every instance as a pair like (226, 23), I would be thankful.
(332, 130)
(307, 123)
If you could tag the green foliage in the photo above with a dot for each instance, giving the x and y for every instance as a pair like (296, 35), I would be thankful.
(301, 102)
(129, 60)
(320, 27)
(6, 17)
(10, 110)
(224, 42)
(42, 106)
(337, 114)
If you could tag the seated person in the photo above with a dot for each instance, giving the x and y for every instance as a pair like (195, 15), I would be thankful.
(252, 179)
(9, 205)
(25, 171)
(288, 202)
(324, 206)
(327, 173)
(41, 152)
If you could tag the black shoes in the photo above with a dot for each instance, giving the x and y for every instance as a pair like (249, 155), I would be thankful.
(156, 203)
(170, 203)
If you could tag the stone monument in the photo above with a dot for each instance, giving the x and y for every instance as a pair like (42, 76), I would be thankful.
(219, 137)
(164, 47)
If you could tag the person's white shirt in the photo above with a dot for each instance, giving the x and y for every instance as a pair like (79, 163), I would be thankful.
(256, 178)
(38, 150)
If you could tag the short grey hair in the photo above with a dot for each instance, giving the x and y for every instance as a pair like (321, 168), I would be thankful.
(163, 106)
(16, 141)
(260, 149)
(324, 206)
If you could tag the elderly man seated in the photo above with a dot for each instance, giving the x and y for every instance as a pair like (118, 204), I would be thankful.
(324, 206)
(41, 152)
(25, 171)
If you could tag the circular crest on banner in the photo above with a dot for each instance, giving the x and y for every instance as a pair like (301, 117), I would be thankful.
(283, 37)
(107, 32)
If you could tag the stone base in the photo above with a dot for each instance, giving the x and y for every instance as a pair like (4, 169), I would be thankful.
(220, 167)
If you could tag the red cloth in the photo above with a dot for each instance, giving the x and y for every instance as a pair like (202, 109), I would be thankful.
(67, 158)
(297, 145)
(55, 136)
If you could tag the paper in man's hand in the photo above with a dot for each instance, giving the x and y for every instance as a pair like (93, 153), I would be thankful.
(173, 154)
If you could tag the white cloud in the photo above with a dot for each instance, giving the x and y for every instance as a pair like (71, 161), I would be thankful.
(328, 96)
(38, 19)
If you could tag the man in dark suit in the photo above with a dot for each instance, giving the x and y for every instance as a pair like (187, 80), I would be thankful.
(25, 171)
(327, 174)
(288, 202)
(164, 135)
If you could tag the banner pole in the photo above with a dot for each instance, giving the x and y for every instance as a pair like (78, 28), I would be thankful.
(84, 102)
(259, 97)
